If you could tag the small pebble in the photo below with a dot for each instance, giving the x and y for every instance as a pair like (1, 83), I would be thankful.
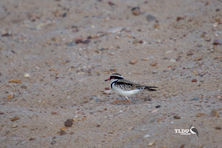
(158, 106)
(14, 125)
(151, 143)
(189, 53)
(115, 30)
(182, 146)
(217, 42)
(24, 87)
(219, 97)
(15, 81)
(155, 110)
(53, 141)
(145, 59)
(153, 64)
(62, 132)
(200, 114)
(172, 60)
(138, 41)
(10, 96)
(64, 14)
(154, 71)
(146, 136)
(214, 113)
(31, 139)
(111, 3)
(107, 92)
(68, 123)
(134, 61)
(6, 33)
(194, 80)
(82, 41)
(217, 10)
(14, 118)
(176, 117)
(218, 128)
(168, 51)
(136, 11)
(179, 18)
(198, 59)
(70, 44)
(195, 99)
(150, 18)
(27, 75)
(195, 72)
(156, 26)
(107, 88)
(54, 113)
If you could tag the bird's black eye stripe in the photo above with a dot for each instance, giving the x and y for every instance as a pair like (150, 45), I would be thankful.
(116, 77)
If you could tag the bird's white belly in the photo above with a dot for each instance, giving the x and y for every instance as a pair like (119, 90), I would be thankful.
(125, 92)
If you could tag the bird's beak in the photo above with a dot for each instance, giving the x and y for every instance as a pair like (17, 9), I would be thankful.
(107, 79)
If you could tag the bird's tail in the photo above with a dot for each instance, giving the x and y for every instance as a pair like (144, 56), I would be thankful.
(150, 88)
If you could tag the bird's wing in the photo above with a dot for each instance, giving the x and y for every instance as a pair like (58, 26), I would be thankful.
(131, 85)
(126, 84)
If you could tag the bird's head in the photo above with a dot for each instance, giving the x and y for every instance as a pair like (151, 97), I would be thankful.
(113, 77)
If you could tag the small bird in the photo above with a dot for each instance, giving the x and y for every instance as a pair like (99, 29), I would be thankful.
(193, 130)
(125, 87)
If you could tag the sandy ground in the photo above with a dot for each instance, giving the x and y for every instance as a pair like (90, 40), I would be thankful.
(56, 54)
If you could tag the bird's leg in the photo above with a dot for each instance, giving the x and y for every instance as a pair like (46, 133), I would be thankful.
(128, 100)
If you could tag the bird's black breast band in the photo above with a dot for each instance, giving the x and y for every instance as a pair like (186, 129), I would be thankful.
(113, 83)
